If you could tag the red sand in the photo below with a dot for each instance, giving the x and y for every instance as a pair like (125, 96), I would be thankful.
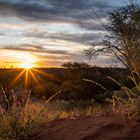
(99, 127)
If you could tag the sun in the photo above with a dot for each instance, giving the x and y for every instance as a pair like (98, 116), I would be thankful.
(27, 61)
(26, 65)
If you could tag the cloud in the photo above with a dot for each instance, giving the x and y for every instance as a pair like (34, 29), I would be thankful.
(46, 8)
(53, 30)
(76, 12)
(54, 10)
(84, 38)
(12, 55)
(34, 48)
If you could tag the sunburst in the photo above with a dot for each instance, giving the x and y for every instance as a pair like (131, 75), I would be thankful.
(28, 72)
(26, 65)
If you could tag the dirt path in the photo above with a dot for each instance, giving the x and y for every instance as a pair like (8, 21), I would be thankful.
(100, 127)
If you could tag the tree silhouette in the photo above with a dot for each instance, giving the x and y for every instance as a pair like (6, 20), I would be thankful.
(76, 65)
(123, 40)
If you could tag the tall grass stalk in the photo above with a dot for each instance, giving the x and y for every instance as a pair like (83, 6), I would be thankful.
(20, 121)
(130, 103)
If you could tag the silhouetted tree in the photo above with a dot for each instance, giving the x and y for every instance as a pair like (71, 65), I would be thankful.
(123, 40)
(76, 65)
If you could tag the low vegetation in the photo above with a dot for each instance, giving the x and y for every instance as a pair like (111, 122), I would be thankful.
(20, 118)
(68, 79)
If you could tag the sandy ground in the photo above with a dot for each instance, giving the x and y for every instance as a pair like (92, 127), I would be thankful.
(113, 126)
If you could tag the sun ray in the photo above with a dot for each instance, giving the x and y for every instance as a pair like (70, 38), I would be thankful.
(33, 76)
(42, 73)
(19, 75)
(26, 78)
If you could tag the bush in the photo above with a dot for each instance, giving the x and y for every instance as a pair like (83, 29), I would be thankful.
(19, 121)
(45, 90)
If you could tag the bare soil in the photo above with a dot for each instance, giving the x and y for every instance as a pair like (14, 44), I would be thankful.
(108, 126)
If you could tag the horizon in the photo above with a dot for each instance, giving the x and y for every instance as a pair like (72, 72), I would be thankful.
(47, 33)
(59, 67)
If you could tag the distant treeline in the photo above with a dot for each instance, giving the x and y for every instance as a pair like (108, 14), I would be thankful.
(44, 82)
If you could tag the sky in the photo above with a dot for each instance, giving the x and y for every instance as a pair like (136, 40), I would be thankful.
(48, 33)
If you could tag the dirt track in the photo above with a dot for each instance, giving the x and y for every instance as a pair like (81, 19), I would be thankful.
(99, 127)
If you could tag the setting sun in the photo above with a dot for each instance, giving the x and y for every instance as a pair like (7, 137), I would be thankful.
(26, 65)
(27, 61)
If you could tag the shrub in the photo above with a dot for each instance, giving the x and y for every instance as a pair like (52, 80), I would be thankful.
(19, 121)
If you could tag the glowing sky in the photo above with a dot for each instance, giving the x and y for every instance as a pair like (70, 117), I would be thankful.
(51, 32)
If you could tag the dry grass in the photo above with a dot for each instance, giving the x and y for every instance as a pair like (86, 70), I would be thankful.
(128, 102)
(20, 120)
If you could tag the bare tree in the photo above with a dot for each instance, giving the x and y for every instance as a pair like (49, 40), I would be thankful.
(123, 40)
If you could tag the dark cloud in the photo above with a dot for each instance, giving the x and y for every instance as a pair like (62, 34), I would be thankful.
(92, 25)
(82, 38)
(34, 48)
(74, 11)
(85, 38)
(50, 9)
(78, 12)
